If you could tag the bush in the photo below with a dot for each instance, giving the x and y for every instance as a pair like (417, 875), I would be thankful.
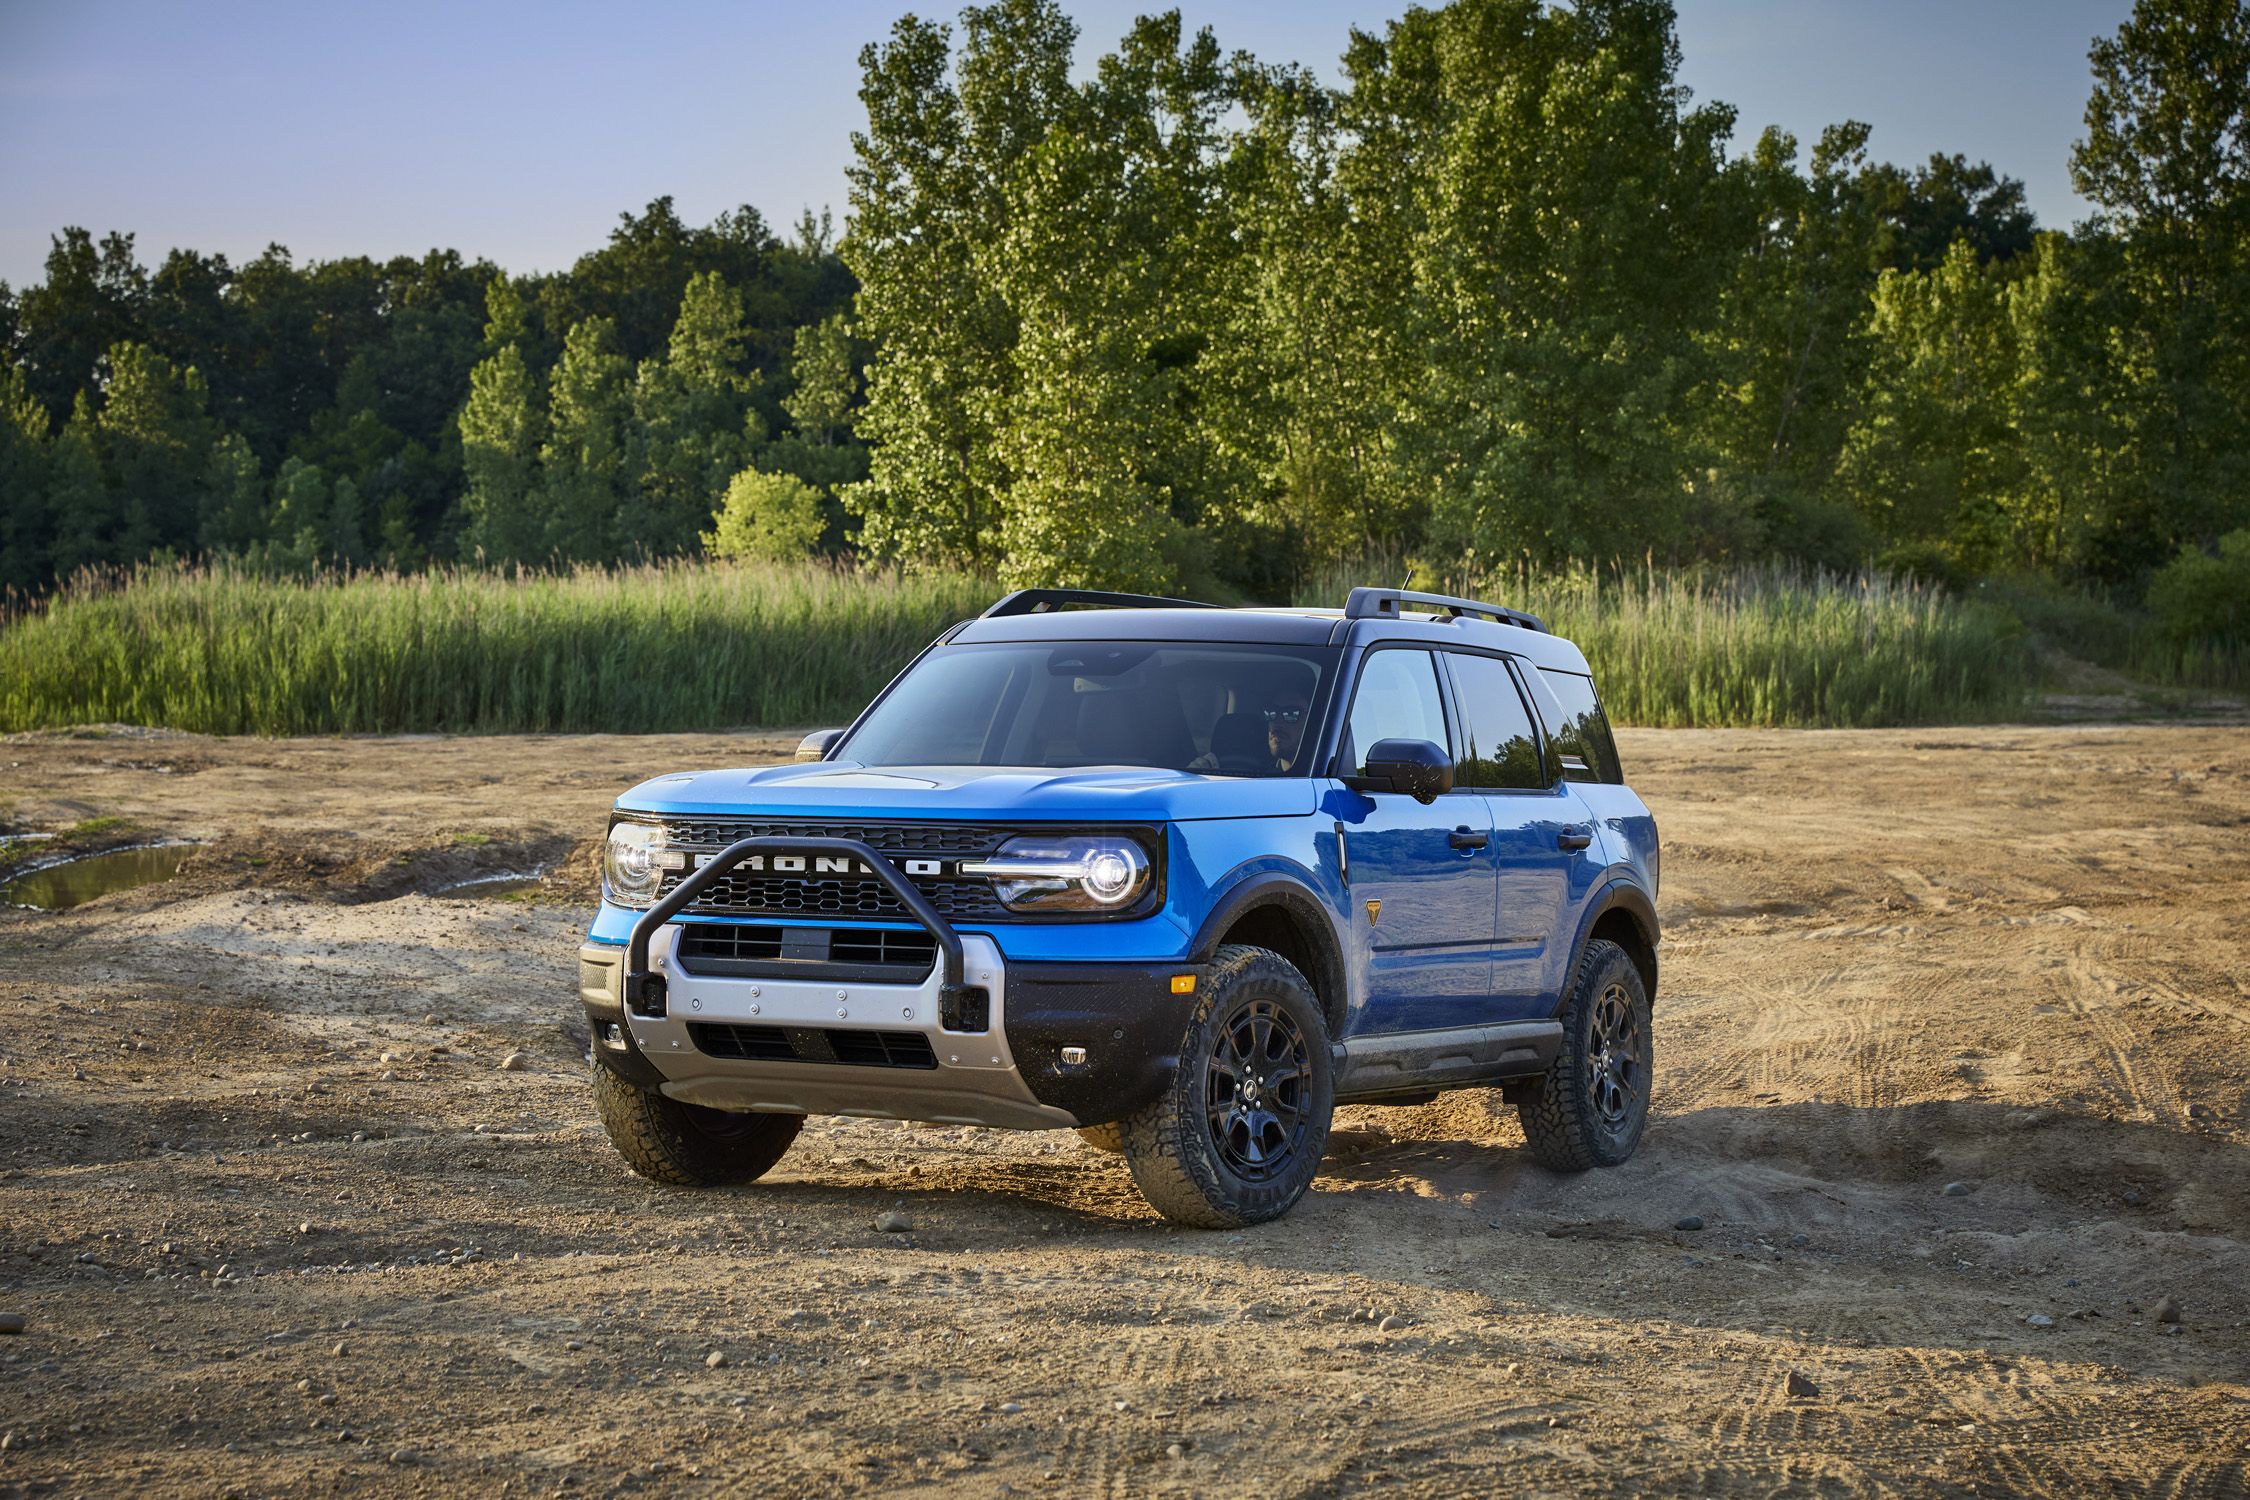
(2202, 599)
(766, 517)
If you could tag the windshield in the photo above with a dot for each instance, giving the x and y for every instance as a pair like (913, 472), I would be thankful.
(1228, 710)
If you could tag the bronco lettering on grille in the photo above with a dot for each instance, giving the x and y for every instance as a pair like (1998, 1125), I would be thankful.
(823, 864)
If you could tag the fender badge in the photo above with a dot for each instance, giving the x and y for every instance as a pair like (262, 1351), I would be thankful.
(1374, 912)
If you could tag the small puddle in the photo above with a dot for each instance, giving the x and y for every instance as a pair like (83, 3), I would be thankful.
(72, 882)
(485, 887)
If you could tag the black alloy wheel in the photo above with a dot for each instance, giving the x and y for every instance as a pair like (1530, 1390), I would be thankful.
(1617, 1059)
(1256, 1090)
(1237, 1134)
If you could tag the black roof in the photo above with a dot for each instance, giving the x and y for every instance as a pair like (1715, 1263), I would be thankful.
(1270, 626)
(1276, 627)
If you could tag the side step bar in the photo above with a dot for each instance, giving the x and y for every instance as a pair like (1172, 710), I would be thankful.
(1415, 1062)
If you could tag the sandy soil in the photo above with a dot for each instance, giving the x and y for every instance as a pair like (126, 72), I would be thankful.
(280, 1222)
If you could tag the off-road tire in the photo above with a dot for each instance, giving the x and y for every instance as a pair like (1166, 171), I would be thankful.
(1563, 1112)
(1177, 1160)
(1110, 1137)
(688, 1145)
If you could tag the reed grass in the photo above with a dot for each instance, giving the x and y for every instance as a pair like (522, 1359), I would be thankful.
(682, 646)
(662, 647)
(1773, 645)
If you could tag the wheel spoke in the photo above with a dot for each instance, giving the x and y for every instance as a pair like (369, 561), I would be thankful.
(1257, 1078)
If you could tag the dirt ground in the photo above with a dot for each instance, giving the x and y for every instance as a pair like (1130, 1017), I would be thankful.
(1954, 1044)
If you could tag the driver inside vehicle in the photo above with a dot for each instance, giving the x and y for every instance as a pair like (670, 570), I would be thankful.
(1285, 726)
(1258, 742)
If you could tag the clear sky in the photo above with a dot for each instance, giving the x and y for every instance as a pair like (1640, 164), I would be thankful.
(519, 132)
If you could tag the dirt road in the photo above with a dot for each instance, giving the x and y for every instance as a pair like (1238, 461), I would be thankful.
(1954, 1049)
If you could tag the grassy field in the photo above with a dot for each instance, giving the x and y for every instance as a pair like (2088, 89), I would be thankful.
(1771, 647)
(686, 646)
(676, 646)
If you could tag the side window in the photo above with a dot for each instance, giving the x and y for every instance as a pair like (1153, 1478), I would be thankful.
(1398, 699)
(1589, 749)
(1500, 750)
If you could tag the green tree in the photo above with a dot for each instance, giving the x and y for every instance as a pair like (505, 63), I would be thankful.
(25, 528)
(94, 297)
(500, 436)
(2166, 162)
(1788, 347)
(588, 463)
(83, 509)
(825, 377)
(1560, 207)
(699, 427)
(1956, 458)
(155, 442)
(234, 510)
(929, 192)
(1305, 364)
(766, 516)
(1110, 264)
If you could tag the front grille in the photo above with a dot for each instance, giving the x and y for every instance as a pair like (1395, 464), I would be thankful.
(813, 1044)
(845, 897)
(850, 897)
(743, 950)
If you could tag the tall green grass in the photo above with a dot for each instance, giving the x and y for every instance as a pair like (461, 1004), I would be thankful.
(665, 647)
(690, 646)
(1773, 646)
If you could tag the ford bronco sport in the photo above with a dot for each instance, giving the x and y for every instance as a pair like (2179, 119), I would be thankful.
(1180, 877)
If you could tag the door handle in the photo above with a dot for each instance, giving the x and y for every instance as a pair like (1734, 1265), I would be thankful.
(1574, 838)
(1463, 838)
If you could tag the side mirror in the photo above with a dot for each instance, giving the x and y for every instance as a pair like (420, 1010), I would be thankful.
(1416, 767)
(815, 746)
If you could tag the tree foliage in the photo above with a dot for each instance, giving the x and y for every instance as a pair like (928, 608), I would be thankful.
(1505, 292)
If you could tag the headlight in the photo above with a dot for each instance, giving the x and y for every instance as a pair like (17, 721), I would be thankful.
(634, 862)
(1065, 874)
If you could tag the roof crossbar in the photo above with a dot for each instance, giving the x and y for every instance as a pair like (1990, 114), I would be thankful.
(1388, 604)
(1044, 601)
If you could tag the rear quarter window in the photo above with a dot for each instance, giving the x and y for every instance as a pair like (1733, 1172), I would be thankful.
(1589, 749)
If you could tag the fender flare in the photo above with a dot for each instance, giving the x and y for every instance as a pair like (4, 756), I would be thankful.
(1624, 894)
(1290, 893)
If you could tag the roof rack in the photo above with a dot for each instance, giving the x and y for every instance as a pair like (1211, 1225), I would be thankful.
(1387, 604)
(1043, 601)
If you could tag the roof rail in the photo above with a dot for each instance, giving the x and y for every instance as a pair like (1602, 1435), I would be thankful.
(1043, 601)
(1387, 604)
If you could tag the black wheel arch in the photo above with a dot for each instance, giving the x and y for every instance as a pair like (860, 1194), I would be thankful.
(1279, 912)
(1622, 913)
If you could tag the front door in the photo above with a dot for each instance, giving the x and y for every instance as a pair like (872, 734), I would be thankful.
(1422, 886)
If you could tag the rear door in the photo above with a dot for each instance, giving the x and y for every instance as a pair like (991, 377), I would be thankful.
(1422, 878)
(1545, 851)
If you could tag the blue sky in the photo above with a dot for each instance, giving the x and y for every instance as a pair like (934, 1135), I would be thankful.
(519, 132)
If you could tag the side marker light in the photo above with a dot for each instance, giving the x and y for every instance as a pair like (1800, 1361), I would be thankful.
(1183, 984)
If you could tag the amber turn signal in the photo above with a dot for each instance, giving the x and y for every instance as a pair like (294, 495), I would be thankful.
(1183, 984)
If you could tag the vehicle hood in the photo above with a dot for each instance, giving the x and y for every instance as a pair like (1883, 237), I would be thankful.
(844, 790)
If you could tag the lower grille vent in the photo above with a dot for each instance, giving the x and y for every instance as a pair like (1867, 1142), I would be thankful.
(813, 1044)
(740, 950)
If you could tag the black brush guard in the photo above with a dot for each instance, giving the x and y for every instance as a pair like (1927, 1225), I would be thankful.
(644, 992)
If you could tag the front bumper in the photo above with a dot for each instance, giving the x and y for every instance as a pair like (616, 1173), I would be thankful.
(1124, 1018)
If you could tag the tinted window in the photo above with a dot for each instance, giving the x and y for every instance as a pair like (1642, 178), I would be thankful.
(1234, 710)
(1499, 749)
(1589, 749)
(1398, 699)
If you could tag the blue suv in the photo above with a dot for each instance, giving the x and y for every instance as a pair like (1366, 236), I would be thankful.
(1182, 878)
